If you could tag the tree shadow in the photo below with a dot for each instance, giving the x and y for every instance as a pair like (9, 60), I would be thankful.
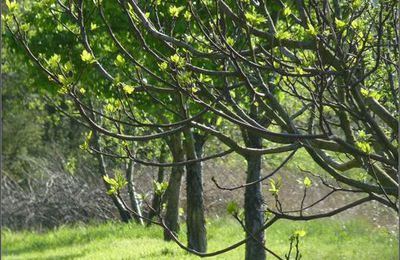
(61, 256)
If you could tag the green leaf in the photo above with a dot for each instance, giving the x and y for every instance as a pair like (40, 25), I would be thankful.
(307, 182)
(175, 11)
(232, 207)
(111, 191)
(362, 134)
(230, 41)
(287, 11)
(25, 27)
(370, 93)
(160, 187)
(87, 57)
(116, 184)
(119, 61)
(54, 61)
(178, 61)
(65, 81)
(185, 78)
(274, 186)
(300, 233)
(364, 146)
(187, 15)
(283, 35)
(163, 66)
(109, 180)
(93, 26)
(311, 30)
(120, 180)
(128, 89)
(356, 4)
(339, 23)
(12, 6)
(205, 79)
(68, 67)
(254, 18)
(219, 121)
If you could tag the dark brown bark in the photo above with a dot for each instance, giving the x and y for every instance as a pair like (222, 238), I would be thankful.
(253, 203)
(174, 187)
(195, 221)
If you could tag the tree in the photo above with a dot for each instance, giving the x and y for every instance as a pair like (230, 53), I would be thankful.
(321, 76)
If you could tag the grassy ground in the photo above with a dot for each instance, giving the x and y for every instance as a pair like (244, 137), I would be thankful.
(324, 239)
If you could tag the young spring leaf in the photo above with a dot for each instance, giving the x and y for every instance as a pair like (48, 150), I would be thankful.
(307, 182)
(163, 66)
(232, 207)
(119, 61)
(87, 57)
(160, 187)
(175, 11)
(287, 11)
(340, 24)
(187, 15)
(299, 233)
(128, 89)
(54, 61)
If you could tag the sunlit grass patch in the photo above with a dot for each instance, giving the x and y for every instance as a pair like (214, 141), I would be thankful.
(324, 239)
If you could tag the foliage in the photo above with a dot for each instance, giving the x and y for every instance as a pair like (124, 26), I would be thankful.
(116, 184)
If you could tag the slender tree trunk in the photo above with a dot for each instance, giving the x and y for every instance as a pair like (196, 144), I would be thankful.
(253, 203)
(132, 193)
(195, 221)
(157, 200)
(123, 212)
(174, 187)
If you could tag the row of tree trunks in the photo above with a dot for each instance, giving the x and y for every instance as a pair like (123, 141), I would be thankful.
(196, 231)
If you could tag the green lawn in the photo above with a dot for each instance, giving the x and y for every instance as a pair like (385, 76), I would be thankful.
(324, 239)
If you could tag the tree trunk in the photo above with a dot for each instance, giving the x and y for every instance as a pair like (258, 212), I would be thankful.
(174, 187)
(195, 221)
(253, 203)
(132, 193)
(123, 212)
(157, 200)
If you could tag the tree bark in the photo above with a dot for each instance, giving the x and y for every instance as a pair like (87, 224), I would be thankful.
(253, 203)
(157, 200)
(195, 221)
(174, 187)
(132, 193)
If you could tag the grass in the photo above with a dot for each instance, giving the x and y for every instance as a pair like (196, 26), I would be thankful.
(324, 239)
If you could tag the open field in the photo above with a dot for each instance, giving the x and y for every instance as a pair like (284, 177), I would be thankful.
(333, 239)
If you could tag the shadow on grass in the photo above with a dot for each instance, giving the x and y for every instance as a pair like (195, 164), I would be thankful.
(41, 245)
(56, 257)
(59, 239)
